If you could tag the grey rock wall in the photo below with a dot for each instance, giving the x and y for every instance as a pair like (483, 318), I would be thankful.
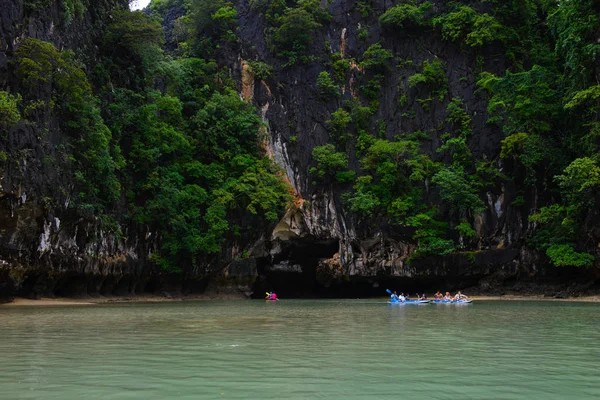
(295, 116)
(47, 249)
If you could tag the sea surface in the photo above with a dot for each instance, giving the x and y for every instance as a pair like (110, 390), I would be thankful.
(301, 349)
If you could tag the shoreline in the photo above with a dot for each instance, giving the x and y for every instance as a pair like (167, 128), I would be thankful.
(510, 297)
(65, 301)
(91, 301)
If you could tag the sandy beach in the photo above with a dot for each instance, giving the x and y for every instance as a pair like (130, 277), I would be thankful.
(45, 302)
(585, 299)
(142, 298)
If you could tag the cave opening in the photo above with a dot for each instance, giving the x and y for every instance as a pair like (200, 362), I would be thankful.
(292, 273)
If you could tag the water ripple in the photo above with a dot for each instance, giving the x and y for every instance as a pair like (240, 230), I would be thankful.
(301, 350)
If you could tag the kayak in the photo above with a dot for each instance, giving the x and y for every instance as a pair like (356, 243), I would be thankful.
(452, 301)
(408, 302)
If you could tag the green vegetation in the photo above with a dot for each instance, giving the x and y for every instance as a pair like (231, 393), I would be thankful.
(363, 33)
(73, 9)
(331, 165)
(160, 7)
(372, 88)
(340, 67)
(167, 139)
(455, 142)
(295, 29)
(327, 88)
(456, 188)
(526, 101)
(292, 33)
(405, 17)
(161, 141)
(548, 112)
(470, 27)
(433, 77)
(513, 145)
(391, 192)
(131, 49)
(212, 21)
(338, 125)
(32, 6)
(562, 223)
(563, 255)
(291, 26)
(546, 105)
(376, 58)
(390, 187)
(39, 67)
(261, 70)
(203, 174)
(364, 7)
(573, 26)
(549, 115)
(9, 112)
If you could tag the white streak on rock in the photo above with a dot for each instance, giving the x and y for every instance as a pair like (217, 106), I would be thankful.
(45, 238)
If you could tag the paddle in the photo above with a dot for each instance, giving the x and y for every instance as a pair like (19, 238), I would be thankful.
(390, 292)
(269, 295)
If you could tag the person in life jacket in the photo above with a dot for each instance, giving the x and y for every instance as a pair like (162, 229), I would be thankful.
(272, 296)
(460, 296)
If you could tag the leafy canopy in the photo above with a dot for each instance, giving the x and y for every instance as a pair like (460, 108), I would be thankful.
(331, 165)
(405, 17)
(9, 112)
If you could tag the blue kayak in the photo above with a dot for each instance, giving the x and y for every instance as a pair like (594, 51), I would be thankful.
(452, 301)
(408, 302)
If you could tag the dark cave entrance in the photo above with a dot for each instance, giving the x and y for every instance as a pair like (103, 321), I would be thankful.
(292, 273)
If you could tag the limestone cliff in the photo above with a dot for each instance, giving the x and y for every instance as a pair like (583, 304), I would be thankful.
(45, 247)
(320, 234)
(321, 246)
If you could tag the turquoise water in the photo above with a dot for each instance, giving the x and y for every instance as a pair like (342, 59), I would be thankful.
(301, 349)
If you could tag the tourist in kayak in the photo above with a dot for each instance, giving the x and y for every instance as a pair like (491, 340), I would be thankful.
(394, 296)
(447, 296)
(423, 297)
(438, 295)
(460, 296)
(272, 296)
(401, 297)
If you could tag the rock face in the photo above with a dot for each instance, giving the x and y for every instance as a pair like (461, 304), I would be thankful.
(44, 248)
(319, 247)
(320, 236)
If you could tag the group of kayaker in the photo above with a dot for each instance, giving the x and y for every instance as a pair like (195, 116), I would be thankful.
(401, 297)
(404, 297)
(458, 296)
(438, 296)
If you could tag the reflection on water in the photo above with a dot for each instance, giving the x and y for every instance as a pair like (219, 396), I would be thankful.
(301, 350)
